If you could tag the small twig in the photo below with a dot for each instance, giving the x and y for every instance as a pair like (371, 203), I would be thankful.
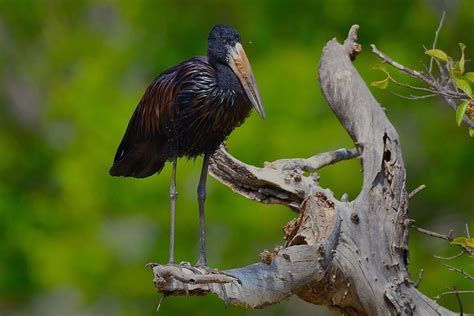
(450, 258)
(450, 234)
(163, 295)
(414, 97)
(420, 275)
(417, 190)
(436, 90)
(467, 232)
(449, 238)
(437, 297)
(444, 91)
(426, 67)
(406, 85)
(464, 273)
(458, 298)
(433, 234)
(402, 68)
(436, 38)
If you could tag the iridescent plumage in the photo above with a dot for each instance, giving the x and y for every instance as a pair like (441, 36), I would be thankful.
(189, 110)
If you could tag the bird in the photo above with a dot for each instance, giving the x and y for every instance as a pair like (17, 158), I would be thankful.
(189, 110)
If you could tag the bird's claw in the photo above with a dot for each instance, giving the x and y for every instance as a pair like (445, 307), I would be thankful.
(198, 269)
(151, 265)
(208, 270)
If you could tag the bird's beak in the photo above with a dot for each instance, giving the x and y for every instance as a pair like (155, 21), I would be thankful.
(240, 64)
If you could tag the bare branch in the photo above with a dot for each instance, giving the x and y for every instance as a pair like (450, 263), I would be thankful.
(414, 97)
(444, 91)
(304, 261)
(349, 256)
(265, 185)
(450, 258)
(433, 234)
(315, 162)
(382, 201)
(458, 298)
(449, 94)
(278, 182)
(453, 292)
(416, 191)
(464, 273)
(261, 284)
(420, 276)
(436, 38)
(411, 72)
(448, 238)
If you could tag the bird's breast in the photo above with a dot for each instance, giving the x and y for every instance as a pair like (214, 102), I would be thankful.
(207, 115)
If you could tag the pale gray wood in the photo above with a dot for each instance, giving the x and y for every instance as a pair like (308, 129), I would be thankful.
(350, 256)
(269, 282)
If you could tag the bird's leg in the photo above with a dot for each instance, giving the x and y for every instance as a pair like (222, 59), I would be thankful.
(173, 198)
(201, 193)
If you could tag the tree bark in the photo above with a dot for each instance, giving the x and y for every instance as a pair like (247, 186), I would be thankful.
(351, 256)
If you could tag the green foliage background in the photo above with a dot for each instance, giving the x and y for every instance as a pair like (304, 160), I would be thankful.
(74, 240)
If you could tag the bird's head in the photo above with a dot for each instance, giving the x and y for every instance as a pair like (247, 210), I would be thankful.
(224, 47)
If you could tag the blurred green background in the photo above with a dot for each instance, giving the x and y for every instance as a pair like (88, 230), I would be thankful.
(74, 241)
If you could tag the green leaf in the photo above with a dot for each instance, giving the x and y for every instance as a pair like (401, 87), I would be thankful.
(470, 242)
(380, 66)
(460, 111)
(438, 54)
(457, 75)
(382, 84)
(459, 241)
(456, 66)
(469, 76)
(471, 132)
(464, 86)
(461, 61)
(463, 241)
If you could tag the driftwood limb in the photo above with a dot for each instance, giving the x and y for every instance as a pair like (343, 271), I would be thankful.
(350, 256)
(315, 162)
(270, 184)
(305, 260)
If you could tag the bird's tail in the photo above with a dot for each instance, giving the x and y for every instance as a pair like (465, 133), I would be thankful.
(139, 161)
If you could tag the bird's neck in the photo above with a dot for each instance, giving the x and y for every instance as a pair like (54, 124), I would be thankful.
(226, 79)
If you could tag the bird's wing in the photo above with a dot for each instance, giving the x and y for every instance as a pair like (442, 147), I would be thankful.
(143, 146)
(145, 123)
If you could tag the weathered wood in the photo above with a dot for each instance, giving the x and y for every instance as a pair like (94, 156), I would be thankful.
(348, 255)
(262, 284)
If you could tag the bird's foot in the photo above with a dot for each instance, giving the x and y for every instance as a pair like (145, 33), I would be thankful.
(151, 265)
(188, 265)
(205, 269)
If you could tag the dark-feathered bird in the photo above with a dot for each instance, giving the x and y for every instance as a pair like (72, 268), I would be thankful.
(189, 110)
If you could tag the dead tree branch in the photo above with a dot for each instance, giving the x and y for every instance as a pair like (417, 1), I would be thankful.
(348, 255)
(315, 162)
